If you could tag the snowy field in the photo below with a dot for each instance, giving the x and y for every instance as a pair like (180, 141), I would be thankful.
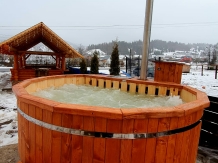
(8, 120)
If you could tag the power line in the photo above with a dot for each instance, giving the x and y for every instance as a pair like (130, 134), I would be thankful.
(128, 25)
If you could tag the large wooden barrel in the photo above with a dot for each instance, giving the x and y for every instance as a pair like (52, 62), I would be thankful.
(52, 132)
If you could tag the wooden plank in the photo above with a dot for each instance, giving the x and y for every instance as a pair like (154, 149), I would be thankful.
(46, 137)
(19, 133)
(126, 145)
(157, 71)
(87, 81)
(194, 149)
(124, 86)
(108, 84)
(171, 140)
(141, 89)
(94, 82)
(112, 153)
(161, 146)
(99, 143)
(77, 141)
(178, 74)
(166, 73)
(68, 80)
(32, 133)
(56, 139)
(38, 136)
(88, 125)
(186, 138)
(162, 91)
(179, 138)
(151, 90)
(42, 84)
(151, 142)
(26, 133)
(22, 131)
(115, 84)
(50, 82)
(174, 91)
(161, 72)
(172, 68)
(100, 83)
(58, 82)
(193, 139)
(139, 145)
(74, 80)
(81, 81)
(66, 139)
(132, 89)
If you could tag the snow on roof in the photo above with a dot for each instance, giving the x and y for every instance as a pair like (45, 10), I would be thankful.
(90, 52)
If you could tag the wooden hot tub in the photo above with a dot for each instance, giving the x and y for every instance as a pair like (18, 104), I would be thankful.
(51, 132)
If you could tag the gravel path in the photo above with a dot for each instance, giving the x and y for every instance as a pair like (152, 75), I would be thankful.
(9, 154)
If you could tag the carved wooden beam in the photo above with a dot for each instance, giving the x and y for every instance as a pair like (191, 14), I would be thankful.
(40, 53)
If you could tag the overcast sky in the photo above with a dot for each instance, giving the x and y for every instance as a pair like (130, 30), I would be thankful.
(88, 22)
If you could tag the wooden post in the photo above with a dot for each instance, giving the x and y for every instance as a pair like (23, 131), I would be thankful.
(63, 63)
(15, 77)
(23, 60)
(57, 61)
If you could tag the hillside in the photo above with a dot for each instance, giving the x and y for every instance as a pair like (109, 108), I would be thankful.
(136, 46)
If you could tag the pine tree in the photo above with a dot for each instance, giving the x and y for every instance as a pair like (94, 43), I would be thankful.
(115, 65)
(94, 63)
(83, 67)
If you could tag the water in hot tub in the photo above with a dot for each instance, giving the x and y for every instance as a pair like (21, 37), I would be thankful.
(94, 96)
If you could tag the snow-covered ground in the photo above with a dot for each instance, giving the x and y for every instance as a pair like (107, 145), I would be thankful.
(8, 119)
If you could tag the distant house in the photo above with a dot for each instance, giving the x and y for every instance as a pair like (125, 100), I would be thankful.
(105, 61)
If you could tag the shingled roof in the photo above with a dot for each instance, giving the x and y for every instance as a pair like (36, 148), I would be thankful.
(34, 35)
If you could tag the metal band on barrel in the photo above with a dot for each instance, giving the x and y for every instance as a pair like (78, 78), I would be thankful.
(106, 134)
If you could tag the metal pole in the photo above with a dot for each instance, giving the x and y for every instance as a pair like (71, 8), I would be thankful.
(126, 64)
(130, 61)
(146, 39)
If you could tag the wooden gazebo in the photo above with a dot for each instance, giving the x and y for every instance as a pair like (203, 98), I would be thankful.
(19, 44)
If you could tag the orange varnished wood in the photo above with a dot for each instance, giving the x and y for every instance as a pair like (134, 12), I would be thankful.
(151, 142)
(132, 89)
(172, 68)
(99, 143)
(113, 146)
(39, 136)
(138, 146)
(32, 133)
(124, 86)
(77, 141)
(179, 137)
(88, 125)
(56, 139)
(186, 137)
(22, 131)
(26, 133)
(161, 146)
(115, 84)
(194, 138)
(66, 139)
(171, 140)
(46, 134)
(126, 145)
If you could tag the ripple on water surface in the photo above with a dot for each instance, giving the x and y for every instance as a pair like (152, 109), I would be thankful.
(94, 96)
